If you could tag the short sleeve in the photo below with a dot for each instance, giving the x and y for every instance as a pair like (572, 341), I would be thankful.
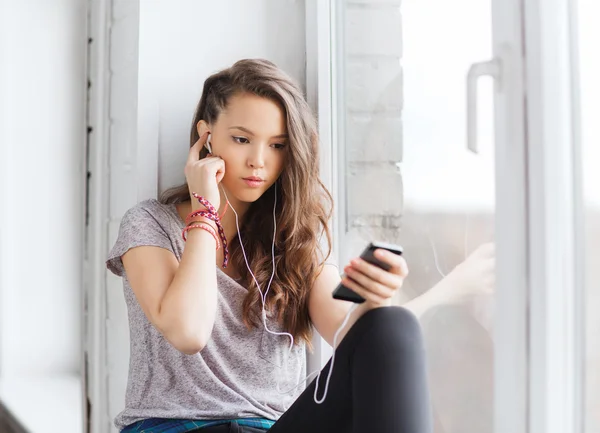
(138, 227)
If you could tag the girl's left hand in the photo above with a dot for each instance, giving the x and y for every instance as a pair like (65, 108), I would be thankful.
(374, 284)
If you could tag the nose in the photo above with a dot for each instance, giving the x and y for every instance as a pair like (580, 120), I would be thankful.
(256, 159)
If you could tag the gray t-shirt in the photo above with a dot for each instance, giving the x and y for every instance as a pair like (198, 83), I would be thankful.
(234, 376)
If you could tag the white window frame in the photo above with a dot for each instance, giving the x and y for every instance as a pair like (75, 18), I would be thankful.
(556, 325)
(95, 383)
(511, 317)
(320, 93)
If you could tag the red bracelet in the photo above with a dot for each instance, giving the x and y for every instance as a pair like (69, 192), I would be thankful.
(212, 214)
(203, 226)
(193, 218)
(195, 213)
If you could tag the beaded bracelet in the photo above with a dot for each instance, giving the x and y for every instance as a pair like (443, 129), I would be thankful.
(203, 226)
(213, 214)
(211, 229)
(193, 214)
(195, 218)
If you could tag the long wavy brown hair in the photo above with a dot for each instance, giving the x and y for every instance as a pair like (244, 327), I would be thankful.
(304, 205)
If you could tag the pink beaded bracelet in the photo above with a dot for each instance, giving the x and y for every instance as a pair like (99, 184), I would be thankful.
(203, 226)
(212, 214)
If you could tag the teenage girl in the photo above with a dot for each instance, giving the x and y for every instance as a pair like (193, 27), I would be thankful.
(225, 279)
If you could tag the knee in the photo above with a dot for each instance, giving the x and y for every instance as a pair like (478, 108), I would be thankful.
(391, 327)
(390, 318)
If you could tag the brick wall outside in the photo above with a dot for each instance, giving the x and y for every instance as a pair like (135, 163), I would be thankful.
(376, 211)
(373, 120)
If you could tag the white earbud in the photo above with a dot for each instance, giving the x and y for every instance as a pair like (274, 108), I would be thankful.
(207, 145)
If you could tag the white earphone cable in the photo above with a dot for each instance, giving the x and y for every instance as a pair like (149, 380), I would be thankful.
(264, 315)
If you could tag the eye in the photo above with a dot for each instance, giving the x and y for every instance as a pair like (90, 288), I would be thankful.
(241, 140)
(281, 146)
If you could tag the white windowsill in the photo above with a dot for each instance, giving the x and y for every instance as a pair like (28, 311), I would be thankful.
(44, 404)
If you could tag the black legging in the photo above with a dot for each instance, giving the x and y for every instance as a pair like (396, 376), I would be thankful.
(378, 384)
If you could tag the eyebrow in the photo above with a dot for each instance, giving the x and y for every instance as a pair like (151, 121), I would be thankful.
(246, 130)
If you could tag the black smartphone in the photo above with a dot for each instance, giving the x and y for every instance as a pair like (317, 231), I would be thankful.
(344, 293)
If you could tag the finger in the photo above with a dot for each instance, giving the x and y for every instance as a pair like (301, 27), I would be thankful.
(397, 262)
(382, 290)
(359, 290)
(387, 278)
(194, 154)
(221, 169)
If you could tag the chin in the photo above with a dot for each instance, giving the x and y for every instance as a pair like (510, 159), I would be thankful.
(247, 196)
(251, 196)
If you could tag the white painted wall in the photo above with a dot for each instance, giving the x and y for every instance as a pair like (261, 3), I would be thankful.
(42, 143)
(180, 43)
(42, 186)
(183, 42)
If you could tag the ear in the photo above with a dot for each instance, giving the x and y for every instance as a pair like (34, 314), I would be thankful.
(202, 126)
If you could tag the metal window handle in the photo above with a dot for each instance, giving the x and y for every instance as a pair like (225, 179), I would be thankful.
(477, 70)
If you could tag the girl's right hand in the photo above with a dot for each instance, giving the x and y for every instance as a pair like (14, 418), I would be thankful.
(204, 175)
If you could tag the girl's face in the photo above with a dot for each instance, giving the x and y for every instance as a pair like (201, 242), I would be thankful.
(251, 137)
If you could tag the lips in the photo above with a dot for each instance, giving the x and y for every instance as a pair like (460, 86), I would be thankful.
(254, 183)
(254, 178)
